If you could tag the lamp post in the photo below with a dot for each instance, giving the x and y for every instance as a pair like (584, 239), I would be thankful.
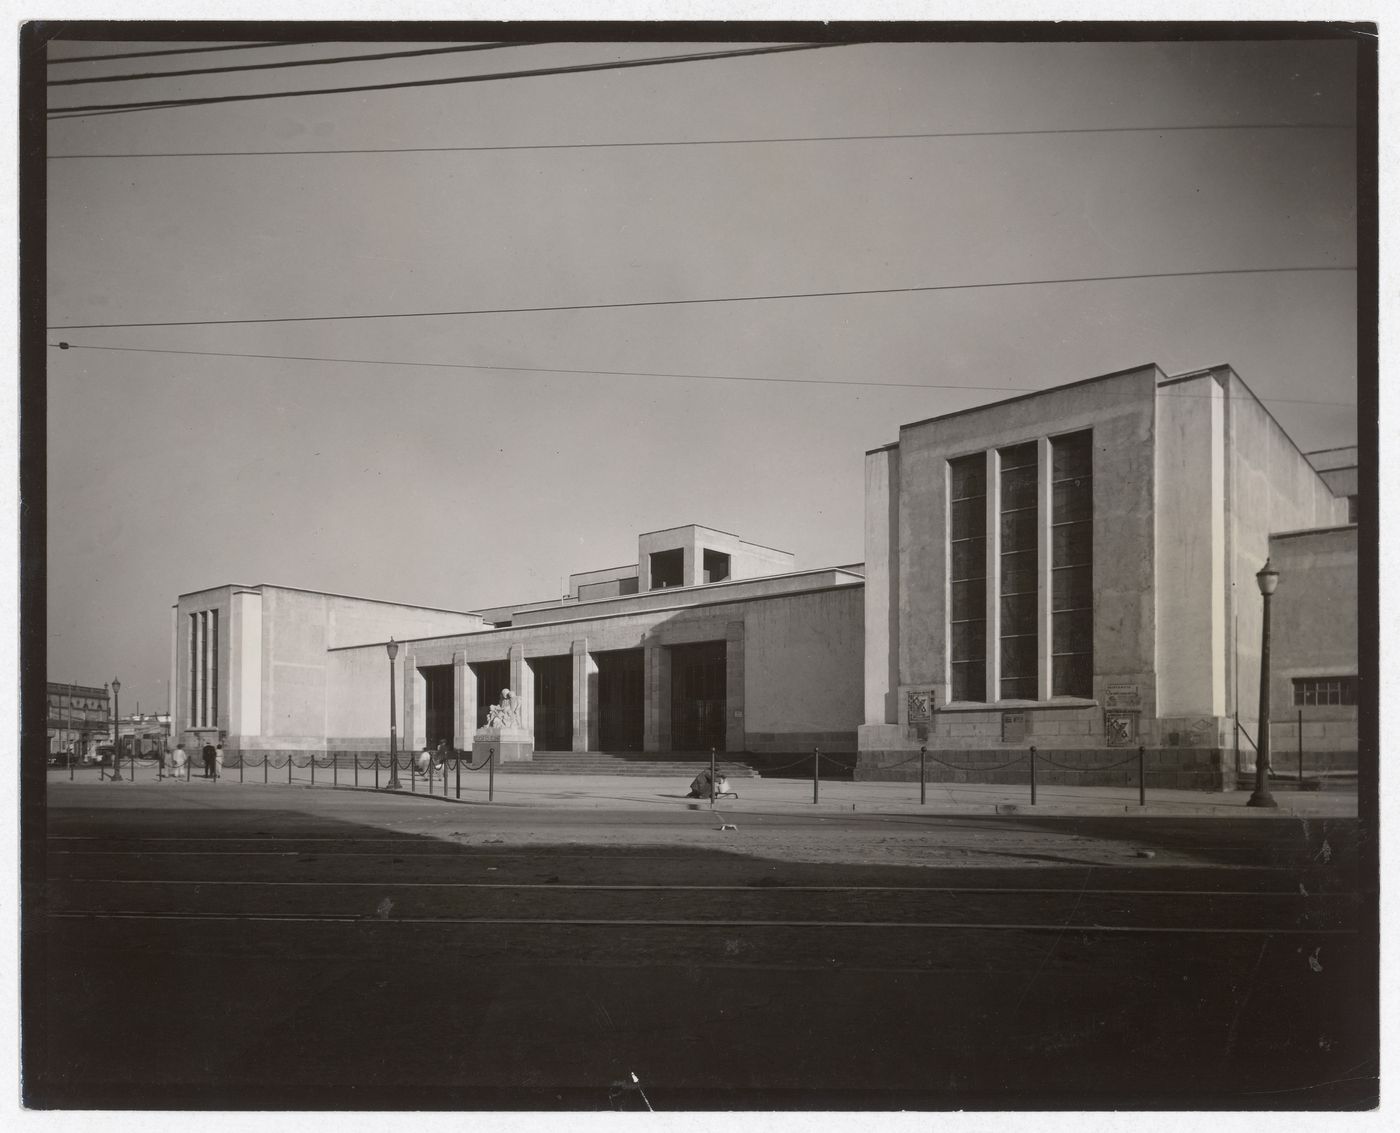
(116, 731)
(1268, 583)
(393, 784)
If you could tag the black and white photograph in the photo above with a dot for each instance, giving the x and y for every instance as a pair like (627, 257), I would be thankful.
(689, 567)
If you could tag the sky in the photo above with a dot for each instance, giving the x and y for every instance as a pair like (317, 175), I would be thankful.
(476, 479)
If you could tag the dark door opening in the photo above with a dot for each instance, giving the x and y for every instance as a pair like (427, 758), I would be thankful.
(554, 702)
(621, 697)
(491, 677)
(438, 726)
(698, 696)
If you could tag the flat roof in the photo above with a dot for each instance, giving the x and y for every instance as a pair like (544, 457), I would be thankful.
(1028, 395)
(324, 593)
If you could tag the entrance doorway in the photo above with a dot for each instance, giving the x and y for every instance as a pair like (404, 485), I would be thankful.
(621, 696)
(491, 677)
(698, 696)
(554, 702)
(439, 704)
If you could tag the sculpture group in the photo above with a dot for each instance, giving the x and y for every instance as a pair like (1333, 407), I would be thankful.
(506, 714)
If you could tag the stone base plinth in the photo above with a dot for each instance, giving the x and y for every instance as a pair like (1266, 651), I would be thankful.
(513, 745)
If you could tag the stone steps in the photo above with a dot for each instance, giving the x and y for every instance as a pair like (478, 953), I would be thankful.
(685, 766)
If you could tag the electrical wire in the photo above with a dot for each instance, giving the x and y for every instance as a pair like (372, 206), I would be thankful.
(715, 299)
(723, 141)
(182, 50)
(598, 373)
(61, 112)
(324, 61)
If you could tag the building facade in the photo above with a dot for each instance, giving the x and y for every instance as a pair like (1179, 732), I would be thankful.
(706, 642)
(1074, 569)
(79, 717)
(1071, 570)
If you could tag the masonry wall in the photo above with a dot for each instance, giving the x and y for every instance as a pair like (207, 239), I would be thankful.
(1313, 627)
(1271, 487)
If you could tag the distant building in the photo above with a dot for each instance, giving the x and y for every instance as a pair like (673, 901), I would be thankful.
(80, 716)
(1074, 569)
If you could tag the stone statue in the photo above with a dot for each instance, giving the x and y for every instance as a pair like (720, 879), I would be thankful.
(506, 714)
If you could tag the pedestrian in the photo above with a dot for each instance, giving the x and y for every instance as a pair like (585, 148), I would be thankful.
(208, 754)
(178, 760)
(219, 760)
(160, 759)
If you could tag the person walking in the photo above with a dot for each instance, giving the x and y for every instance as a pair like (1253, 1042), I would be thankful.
(208, 754)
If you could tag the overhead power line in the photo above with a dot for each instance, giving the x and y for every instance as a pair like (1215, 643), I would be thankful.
(596, 373)
(696, 302)
(185, 51)
(725, 141)
(59, 112)
(323, 61)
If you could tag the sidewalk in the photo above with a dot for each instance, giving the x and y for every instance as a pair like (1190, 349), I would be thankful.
(793, 796)
(789, 795)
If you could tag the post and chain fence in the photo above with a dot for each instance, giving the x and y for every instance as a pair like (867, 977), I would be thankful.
(443, 774)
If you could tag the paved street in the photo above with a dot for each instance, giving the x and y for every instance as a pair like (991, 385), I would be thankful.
(218, 945)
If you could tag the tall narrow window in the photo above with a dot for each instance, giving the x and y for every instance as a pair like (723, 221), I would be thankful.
(1019, 557)
(967, 576)
(213, 698)
(1072, 565)
(194, 671)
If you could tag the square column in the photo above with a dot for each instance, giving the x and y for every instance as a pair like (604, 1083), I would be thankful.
(522, 683)
(734, 736)
(585, 697)
(463, 701)
(656, 711)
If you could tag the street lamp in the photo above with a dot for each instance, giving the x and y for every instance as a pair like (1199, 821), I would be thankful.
(1268, 583)
(393, 784)
(116, 732)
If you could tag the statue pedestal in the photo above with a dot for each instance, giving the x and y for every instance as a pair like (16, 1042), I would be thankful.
(513, 745)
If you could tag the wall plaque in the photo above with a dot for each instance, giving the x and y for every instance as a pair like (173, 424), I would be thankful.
(920, 703)
(1122, 697)
(1119, 728)
(1013, 726)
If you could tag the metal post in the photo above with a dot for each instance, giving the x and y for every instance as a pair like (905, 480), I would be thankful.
(240, 767)
(1142, 781)
(490, 774)
(459, 774)
(291, 762)
(376, 771)
(393, 784)
(923, 783)
(313, 768)
(413, 775)
(816, 774)
(1300, 745)
(335, 770)
(1032, 774)
(357, 768)
(133, 762)
(1261, 796)
(264, 767)
(712, 778)
(116, 733)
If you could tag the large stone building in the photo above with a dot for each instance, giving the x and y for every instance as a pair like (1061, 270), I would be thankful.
(1072, 569)
(706, 641)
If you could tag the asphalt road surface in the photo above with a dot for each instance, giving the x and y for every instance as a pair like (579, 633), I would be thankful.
(241, 947)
